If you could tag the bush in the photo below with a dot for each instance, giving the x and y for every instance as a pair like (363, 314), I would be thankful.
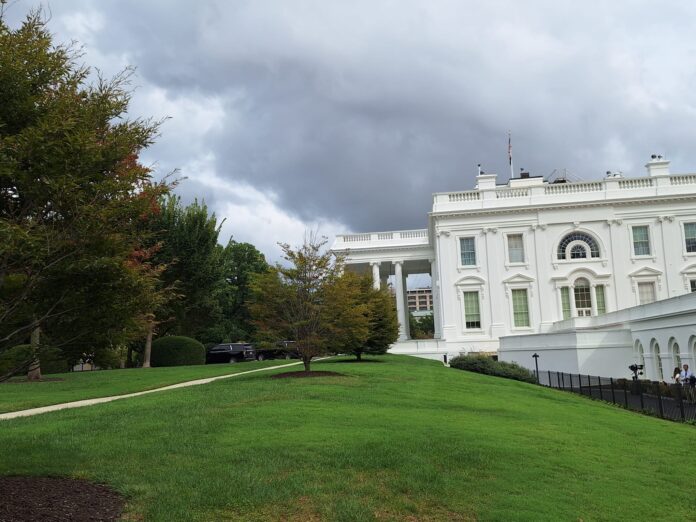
(487, 365)
(52, 360)
(13, 357)
(176, 350)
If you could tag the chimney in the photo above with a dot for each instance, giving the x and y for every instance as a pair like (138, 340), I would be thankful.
(485, 181)
(657, 166)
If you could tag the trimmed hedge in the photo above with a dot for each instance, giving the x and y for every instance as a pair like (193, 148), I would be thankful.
(176, 350)
(489, 366)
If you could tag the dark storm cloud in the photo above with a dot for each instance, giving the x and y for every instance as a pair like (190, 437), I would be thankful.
(358, 111)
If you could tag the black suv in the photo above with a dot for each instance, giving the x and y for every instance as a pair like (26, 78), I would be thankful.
(282, 350)
(230, 353)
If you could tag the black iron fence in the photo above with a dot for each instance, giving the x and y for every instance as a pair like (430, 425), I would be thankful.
(668, 401)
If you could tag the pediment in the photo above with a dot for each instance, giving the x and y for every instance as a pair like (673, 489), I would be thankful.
(691, 269)
(581, 271)
(471, 280)
(518, 278)
(646, 271)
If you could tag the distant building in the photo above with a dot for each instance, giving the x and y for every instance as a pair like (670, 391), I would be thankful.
(513, 259)
(420, 300)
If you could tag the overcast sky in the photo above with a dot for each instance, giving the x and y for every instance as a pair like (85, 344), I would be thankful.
(290, 115)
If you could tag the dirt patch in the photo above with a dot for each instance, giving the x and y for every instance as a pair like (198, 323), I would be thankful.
(25, 381)
(57, 499)
(303, 374)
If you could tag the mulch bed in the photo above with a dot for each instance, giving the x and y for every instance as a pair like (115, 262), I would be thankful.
(57, 499)
(300, 375)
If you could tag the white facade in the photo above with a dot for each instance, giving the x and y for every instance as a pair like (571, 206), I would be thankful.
(661, 336)
(515, 259)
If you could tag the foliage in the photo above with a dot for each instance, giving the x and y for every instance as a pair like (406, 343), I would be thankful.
(15, 357)
(489, 366)
(384, 324)
(348, 314)
(73, 198)
(422, 327)
(290, 302)
(177, 350)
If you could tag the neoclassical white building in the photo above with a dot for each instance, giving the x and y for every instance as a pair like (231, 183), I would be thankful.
(513, 259)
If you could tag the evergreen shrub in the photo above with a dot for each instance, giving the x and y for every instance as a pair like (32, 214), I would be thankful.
(489, 366)
(176, 350)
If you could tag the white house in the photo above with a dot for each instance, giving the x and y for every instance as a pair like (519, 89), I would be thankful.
(513, 259)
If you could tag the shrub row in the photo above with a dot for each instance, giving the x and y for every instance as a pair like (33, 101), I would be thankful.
(489, 366)
(176, 350)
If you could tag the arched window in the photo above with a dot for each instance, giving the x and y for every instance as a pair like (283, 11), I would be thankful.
(655, 350)
(674, 349)
(577, 245)
(583, 297)
(640, 354)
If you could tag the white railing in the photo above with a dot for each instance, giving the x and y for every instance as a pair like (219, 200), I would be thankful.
(574, 188)
(511, 193)
(635, 183)
(688, 179)
(412, 237)
(350, 238)
(472, 195)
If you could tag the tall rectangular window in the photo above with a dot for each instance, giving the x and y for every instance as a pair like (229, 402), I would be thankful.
(520, 307)
(646, 293)
(565, 302)
(467, 245)
(472, 310)
(641, 240)
(693, 285)
(515, 248)
(690, 236)
(600, 299)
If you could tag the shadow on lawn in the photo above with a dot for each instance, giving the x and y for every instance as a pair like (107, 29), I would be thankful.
(354, 361)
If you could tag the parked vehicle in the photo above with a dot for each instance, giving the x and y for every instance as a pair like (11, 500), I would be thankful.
(230, 353)
(282, 350)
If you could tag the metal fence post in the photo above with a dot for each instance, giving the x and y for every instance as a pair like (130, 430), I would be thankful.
(570, 378)
(563, 380)
(659, 400)
(680, 398)
(589, 386)
(640, 391)
(625, 393)
(549, 372)
(613, 395)
(599, 381)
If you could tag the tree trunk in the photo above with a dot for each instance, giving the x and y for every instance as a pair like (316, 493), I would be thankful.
(34, 372)
(306, 360)
(129, 356)
(359, 356)
(148, 345)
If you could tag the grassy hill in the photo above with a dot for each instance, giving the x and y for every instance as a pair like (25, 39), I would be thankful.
(401, 439)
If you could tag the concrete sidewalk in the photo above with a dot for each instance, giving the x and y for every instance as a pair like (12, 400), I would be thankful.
(100, 400)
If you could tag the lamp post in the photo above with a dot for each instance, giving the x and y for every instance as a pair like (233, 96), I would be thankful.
(536, 365)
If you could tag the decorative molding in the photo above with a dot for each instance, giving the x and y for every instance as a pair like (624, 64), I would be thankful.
(662, 219)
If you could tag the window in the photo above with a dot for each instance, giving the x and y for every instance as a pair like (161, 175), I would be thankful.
(581, 246)
(565, 302)
(646, 293)
(515, 248)
(583, 297)
(472, 311)
(692, 283)
(520, 308)
(641, 241)
(675, 354)
(600, 299)
(467, 246)
(690, 236)
(658, 360)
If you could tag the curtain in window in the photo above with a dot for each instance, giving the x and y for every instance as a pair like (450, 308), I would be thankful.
(641, 241)
(600, 299)
(565, 302)
(520, 307)
(646, 293)
(472, 311)
(468, 248)
(515, 248)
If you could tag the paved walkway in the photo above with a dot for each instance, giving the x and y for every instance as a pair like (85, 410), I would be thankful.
(100, 400)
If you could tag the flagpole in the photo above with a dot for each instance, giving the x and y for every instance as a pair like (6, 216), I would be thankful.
(512, 168)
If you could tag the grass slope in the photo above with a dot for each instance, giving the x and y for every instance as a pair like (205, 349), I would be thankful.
(405, 439)
(18, 395)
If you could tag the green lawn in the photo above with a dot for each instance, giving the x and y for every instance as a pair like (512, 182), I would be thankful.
(404, 439)
(20, 395)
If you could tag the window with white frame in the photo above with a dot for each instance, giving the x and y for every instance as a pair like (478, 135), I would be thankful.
(641, 240)
(520, 308)
(583, 297)
(577, 245)
(565, 302)
(646, 293)
(515, 243)
(690, 237)
(472, 310)
(600, 299)
(467, 247)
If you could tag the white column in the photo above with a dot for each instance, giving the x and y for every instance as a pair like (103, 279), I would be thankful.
(573, 309)
(593, 299)
(400, 300)
(375, 275)
(435, 288)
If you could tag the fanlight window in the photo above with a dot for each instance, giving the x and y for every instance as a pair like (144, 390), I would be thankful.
(578, 246)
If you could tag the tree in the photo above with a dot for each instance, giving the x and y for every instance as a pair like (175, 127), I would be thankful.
(73, 199)
(348, 312)
(384, 323)
(289, 302)
(421, 327)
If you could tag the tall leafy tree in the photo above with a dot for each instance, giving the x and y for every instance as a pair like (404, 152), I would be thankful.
(290, 301)
(73, 198)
